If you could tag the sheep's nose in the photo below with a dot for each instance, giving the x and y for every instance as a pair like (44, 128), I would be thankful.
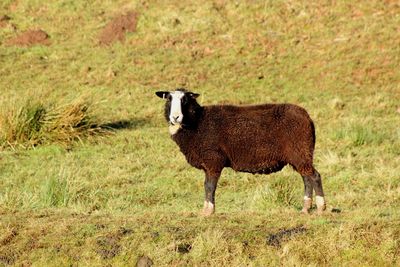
(176, 118)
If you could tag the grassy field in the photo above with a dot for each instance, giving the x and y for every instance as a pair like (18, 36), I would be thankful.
(109, 197)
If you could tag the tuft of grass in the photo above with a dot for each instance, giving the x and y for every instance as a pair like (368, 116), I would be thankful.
(55, 192)
(34, 124)
(359, 135)
(22, 125)
(70, 122)
(281, 191)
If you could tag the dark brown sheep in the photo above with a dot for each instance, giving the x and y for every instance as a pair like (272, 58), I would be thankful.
(255, 139)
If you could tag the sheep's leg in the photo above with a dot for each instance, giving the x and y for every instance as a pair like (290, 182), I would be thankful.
(210, 185)
(308, 194)
(317, 184)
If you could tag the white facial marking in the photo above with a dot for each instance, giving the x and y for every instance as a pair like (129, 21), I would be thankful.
(175, 115)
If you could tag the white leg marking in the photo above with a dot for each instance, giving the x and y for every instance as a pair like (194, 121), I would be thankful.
(320, 201)
(208, 205)
(307, 204)
(321, 205)
(208, 208)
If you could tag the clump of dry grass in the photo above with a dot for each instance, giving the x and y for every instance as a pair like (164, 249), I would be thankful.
(21, 125)
(34, 123)
(71, 122)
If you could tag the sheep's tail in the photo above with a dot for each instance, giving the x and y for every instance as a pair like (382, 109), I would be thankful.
(313, 136)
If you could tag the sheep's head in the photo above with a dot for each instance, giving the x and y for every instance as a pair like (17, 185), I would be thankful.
(181, 106)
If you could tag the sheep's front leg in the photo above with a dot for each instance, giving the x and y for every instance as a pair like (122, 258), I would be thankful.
(210, 185)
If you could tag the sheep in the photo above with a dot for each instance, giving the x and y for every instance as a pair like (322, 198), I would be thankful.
(255, 139)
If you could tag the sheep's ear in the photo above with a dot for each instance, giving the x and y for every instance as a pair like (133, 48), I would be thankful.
(193, 95)
(162, 94)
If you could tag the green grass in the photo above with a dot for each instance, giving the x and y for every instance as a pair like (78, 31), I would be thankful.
(98, 200)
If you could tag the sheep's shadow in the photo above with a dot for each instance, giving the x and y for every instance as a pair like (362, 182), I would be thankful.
(123, 124)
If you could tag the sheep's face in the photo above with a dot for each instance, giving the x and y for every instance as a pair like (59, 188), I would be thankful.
(178, 104)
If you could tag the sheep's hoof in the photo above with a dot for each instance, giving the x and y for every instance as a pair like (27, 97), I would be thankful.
(306, 205)
(320, 210)
(207, 212)
(305, 211)
(208, 209)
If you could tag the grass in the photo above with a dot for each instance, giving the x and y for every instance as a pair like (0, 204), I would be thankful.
(33, 124)
(69, 197)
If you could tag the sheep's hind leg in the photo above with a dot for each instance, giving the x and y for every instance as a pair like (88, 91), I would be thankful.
(308, 194)
(317, 184)
(210, 185)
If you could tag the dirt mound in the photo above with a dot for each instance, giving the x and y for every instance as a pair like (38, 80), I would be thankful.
(115, 30)
(4, 20)
(30, 37)
(144, 261)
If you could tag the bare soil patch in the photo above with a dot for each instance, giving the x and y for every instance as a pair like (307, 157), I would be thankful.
(108, 246)
(116, 29)
(184, 248)
(30, 38)
(4, 19)
(9, 237)
(283, 235)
